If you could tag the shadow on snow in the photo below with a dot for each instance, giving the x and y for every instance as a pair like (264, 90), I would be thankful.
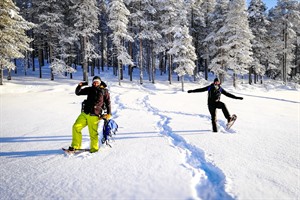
(18, 154)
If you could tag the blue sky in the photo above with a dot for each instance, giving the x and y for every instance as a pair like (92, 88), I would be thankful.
(269, 3)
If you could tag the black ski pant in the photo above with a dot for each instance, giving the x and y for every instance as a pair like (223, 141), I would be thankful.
(213, 112)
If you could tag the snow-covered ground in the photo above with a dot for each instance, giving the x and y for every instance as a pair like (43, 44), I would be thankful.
(164, 148)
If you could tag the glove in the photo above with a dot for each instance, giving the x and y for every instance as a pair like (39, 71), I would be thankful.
(106, 116)
(240, 98)
(83, 83)
(189, 91)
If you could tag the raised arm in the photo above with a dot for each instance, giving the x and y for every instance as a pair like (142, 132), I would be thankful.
(199, 90)
(81, 91)
(230, 95)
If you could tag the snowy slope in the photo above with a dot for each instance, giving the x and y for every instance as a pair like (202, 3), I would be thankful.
(164, 148)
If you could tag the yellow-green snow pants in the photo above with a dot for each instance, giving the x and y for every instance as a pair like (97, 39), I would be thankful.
(82, 121)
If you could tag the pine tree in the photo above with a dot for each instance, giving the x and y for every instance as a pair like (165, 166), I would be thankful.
(86, 25)
(13, 39)
(50, 23)
(237, 43)
(145, 29)
(172, 15)
(195, 16)
(203, 29)
(67, 40)
(273, 47)
(285, 19)
(218, 53)
(118, 20)
(258, 23)
(104, 32)
(184, 53)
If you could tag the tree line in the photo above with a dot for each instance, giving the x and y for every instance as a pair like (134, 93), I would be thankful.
(173, 36)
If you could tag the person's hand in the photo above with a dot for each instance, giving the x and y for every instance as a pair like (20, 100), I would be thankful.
(240, 98)
(106, 116)
(83, 83)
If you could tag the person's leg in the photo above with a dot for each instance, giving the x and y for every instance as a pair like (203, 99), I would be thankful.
(213, 112)
(93, 122)
(225, 111)
(79, 124)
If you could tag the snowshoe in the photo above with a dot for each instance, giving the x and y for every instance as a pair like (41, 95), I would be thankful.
(231, 122)
(71, 150)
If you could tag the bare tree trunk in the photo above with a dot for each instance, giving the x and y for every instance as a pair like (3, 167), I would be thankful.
(41, 60)
(93, 67)
(170, 69)
(149, 61)
(9, 75)
(141, 62)
(103, 50)
(50, 61)
(130, 67)
(165, 62)
(119, 72)
(153, 64)
(206, 69)
(182, 83)
(32, 57)
(284, 70)
(84, 58)
(250, 75)
(115, 65)
(1, 75)
(196, 69)
(234, 80)
(108, 52)
(26, 64)
(161, 63)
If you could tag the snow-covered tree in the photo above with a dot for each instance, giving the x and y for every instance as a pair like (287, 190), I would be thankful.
(50, 23)
(144, 30)
(118, 21)
(60, 67)
(172, 15)
(258, 23)
(195, 15)
(184, 53)
(238, 36)
(203, 29)
(68, 42)
(13, 39)
(104, 32)
(86, 25)
(285, 18)
(216, 38)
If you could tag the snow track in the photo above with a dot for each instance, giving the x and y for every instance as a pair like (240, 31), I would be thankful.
(208, 180)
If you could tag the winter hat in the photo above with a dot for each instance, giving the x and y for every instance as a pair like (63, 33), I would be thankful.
(97, 78)
(216, 80)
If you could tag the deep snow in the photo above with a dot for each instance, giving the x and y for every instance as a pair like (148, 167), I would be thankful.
(164, 148)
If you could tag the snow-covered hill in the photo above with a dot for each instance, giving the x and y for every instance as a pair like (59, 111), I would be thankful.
(164, 148)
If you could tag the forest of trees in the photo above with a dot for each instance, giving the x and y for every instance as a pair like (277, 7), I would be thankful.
(186, 37)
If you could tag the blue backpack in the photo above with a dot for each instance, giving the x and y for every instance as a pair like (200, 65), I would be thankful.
(110, 127)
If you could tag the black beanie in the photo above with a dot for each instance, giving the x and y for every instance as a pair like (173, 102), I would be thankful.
(216, 80)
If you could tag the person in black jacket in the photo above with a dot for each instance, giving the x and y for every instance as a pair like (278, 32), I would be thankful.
(98, 100)
(214, 94)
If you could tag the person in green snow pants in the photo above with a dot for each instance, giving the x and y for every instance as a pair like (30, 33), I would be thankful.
(97, 102)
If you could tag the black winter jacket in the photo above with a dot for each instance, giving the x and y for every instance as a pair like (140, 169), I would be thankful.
(97, 98)
(214, 94)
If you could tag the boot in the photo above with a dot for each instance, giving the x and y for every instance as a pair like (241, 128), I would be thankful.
(214, 126)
